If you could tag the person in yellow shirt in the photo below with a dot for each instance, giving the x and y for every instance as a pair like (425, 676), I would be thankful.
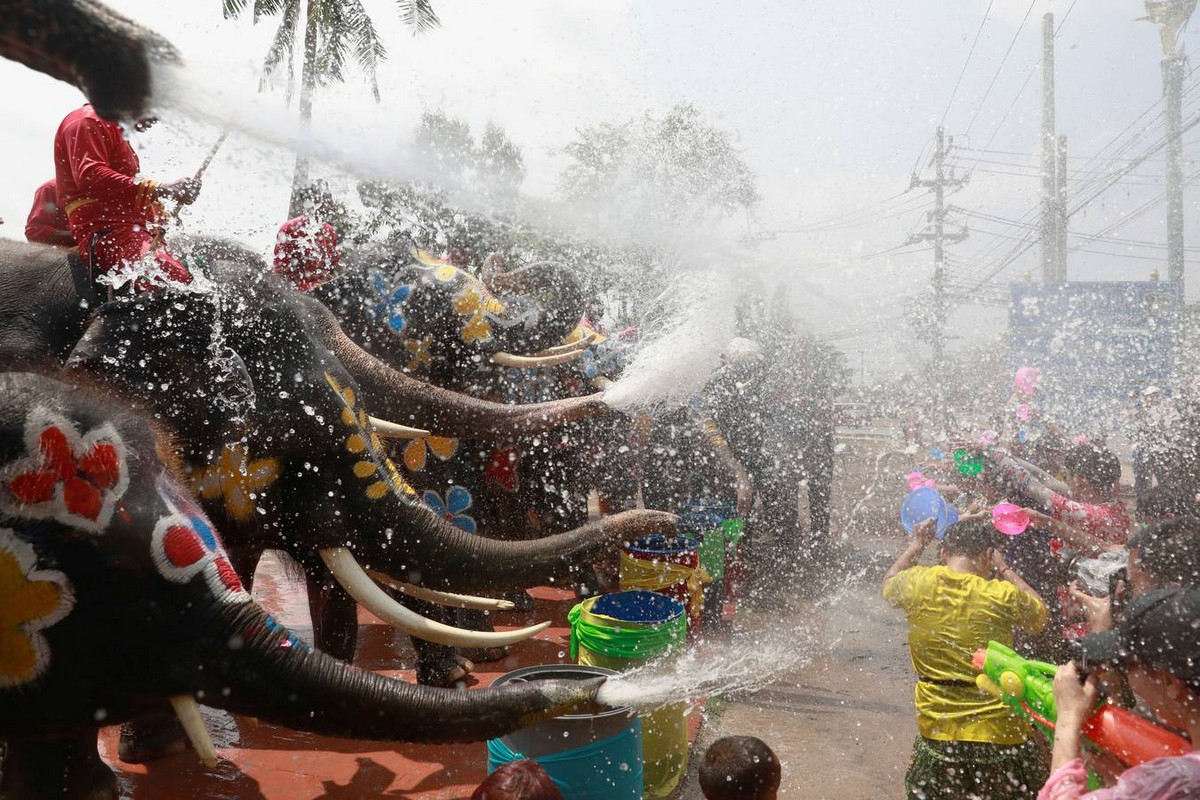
(969, 744)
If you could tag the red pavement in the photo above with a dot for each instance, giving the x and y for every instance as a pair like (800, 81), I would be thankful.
(265, 762)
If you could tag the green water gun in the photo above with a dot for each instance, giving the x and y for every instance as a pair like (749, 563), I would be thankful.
(1024, 685)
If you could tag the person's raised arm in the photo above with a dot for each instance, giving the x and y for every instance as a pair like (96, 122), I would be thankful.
(1073, 699)
(1005, 466)
(1007, 573)
(1051, 482)
(924, 533)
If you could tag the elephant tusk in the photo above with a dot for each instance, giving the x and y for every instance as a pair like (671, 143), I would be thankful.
(442, 598)
(524, 362)
(358, 584)
(602, 383)
(393, 430)
(579, 344)
(193, 725)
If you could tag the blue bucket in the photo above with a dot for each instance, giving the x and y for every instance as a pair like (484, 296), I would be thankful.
(638, 605)
(925, 503)
(588, 756)
(661, 544)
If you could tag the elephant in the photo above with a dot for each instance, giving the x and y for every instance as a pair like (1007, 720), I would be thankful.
(117, 595)
(296, 388)
(84, 43)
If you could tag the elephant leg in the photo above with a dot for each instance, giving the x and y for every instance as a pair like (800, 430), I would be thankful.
(473, 619)
(334, 617)
(437, 664)
(56, 768)
(151, 737)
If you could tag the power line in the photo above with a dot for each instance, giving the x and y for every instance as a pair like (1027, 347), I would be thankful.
(970, 52)
(1000, 68)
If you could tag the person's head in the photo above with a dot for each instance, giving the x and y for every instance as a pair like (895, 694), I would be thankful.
(739, 768)
(1165, 555)
(1155, 647)
(518, 780)
(1093, 469)
(741, 350)
(972, 539)
(1165, 502)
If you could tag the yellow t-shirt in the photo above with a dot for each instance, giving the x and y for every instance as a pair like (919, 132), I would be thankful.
(951, 615)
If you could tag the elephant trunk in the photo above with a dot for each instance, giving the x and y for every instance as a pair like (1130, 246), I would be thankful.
(394, 395)
(261, 670)
(555, 296)
(458, 561)
(104, 54)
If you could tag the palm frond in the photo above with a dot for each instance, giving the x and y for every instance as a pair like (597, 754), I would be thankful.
(232, 8)
(418, 15)
(284, 41)
(269, 8)
(365, 44)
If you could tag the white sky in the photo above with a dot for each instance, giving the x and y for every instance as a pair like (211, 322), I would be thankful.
(831, 103)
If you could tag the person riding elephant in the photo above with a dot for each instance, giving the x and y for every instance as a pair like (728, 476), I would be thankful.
(119, 596)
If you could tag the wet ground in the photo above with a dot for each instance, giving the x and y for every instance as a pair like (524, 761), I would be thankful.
(842, 723)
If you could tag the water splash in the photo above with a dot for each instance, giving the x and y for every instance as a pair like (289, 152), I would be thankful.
(674, 363)
(740, 663)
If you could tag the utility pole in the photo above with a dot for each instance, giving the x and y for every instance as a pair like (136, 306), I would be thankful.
(1060, 209)
(1171, 16)
(1054, 268)
(939, 237)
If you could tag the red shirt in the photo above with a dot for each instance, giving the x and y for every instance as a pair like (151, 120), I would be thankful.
(46, 217)
(96, 173)
(1108, 522)
(306, 254)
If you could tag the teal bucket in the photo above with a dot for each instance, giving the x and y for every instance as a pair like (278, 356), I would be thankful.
(588, 756)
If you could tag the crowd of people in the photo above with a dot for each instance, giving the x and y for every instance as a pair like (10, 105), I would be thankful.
(1104, 585)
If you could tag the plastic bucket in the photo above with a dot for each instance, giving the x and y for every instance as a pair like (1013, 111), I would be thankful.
(588, 756)
(625, 630)
(668, 565)
(734, 577)
(925, 503)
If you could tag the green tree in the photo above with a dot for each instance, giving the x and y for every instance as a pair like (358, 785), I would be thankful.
(335, 31)
(656, 174)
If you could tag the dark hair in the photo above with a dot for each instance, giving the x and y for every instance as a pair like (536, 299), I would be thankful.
(1165, 502)
(1169, 552)
(972, 538)
(1098, 466)
(739, 768)
(518, 780)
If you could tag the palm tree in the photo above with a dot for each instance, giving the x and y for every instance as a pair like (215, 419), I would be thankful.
(334, 31)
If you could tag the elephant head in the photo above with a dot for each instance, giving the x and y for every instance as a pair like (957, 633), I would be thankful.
(117, 593)
(426, 316)
(84, 43)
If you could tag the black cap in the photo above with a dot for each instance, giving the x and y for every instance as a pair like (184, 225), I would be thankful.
(1159, 629)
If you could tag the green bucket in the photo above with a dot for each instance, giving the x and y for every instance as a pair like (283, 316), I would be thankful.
(624, 630)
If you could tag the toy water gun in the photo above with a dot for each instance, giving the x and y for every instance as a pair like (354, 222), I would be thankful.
(1028, 688)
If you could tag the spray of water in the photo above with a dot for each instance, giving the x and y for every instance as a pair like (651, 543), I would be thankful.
(674, 362)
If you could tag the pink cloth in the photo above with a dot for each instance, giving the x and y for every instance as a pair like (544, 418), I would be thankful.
(1161, 779)
(1108, 522)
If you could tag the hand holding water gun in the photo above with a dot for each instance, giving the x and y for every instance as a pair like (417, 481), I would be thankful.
(1028, 688)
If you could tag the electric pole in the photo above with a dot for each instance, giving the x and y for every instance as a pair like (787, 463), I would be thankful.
(1171, 17)
(1054, 234)
(938, 235)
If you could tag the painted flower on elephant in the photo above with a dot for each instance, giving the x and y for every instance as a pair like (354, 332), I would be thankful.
(373, 464)
(415, 452)
(390, 301)
(185, 544)
(458, 500)
(238, 477)
(418, 353)
(472, 304)
(30, 601)
(67, 475)
(501, 470)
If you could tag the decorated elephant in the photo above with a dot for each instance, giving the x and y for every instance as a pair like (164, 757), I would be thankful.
(118, 595)
(301, 467)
